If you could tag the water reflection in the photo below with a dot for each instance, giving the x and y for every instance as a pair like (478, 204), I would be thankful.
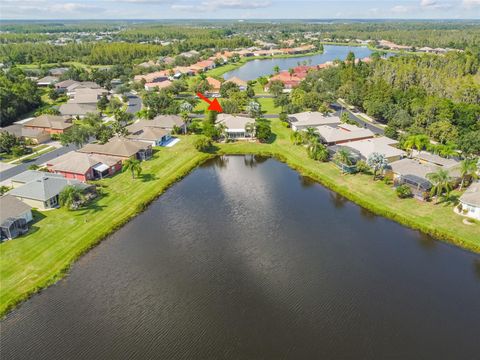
(240, 259)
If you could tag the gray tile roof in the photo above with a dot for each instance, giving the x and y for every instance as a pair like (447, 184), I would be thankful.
(30, 175)
(11, 207)
(46, 187)
(472, 195)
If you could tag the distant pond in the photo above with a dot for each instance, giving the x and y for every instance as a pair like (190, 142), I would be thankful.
(256, 68)
(246, 259)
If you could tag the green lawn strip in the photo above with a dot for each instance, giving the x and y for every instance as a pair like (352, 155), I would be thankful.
(41, 257)
(35, 155)
(268, 106)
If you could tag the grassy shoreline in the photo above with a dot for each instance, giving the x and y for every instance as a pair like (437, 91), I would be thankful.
(45, 254)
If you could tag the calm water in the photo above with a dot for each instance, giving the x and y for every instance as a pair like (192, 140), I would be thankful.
(245, 259)
(256, 68)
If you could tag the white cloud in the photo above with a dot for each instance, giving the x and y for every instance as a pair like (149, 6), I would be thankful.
(212, 5)
(75, 7)
(469, 4)
(434, 4)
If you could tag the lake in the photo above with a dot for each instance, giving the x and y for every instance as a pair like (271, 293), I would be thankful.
(255, 68)
(246, 259)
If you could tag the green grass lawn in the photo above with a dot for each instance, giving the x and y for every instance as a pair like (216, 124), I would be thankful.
(59, 236)
(268, 106)
(36, 154)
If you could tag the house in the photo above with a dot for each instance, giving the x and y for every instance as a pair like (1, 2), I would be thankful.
(14, 217)
(214, 85)
(290, 81)
(413, 173)
(203, 65)
(87, 96)
(37, 136)
(47, 81)
(470, 202)
(236, 126)
(158, 85)
(83, 167)
(168, 122)
(58, 71)
(427, 157)
(148, 64)
(52, 124)
(157, 76)
(28, 176)
(62, 86)
(242, 85)
(343, 133)
(79, 110)
(43, 189)
(149, 134)
(120, 147)
(303, 120)
(382, 145)
(71, 89)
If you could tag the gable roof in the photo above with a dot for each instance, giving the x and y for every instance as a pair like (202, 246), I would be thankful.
(313, 118)
(163, 121)
(79, 163)
(146, 133)
(238, 81)
(47, 80)
(71, 109)
(20, 131)
(233, 122)
(45, 187)
(116, 146)
(49, 121)
(435, 159)
(214, 83)
(343, 132)
(65, 83)
(11, 207)
(30, 175)
(381, 145)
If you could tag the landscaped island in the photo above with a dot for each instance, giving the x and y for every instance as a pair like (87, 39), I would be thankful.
(45, 254)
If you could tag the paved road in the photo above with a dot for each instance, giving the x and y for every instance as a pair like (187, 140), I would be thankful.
(134, 103)
(374, 128)
(6, 174)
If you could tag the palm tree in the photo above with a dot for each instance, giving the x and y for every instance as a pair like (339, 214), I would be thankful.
(134, 165)
(468, 170)
(418, 142)
(311, 135)
(222, 129)
(276, 69)
(317, 151)
(296, 138)
(441, 181)
(343, 157)
(291, 72)
(250, 129)
(70, 197)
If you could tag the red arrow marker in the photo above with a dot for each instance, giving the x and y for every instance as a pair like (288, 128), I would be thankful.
(214, 105)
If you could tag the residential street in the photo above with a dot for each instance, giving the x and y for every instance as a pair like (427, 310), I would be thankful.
(6, 174)
(134, 103)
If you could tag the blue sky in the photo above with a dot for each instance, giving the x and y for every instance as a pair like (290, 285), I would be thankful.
(239, 9)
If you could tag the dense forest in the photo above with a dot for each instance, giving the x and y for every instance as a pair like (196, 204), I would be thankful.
(18, 95)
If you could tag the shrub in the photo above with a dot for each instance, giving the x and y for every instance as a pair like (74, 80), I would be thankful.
(203, 144)
(363, 167)
(403, 191)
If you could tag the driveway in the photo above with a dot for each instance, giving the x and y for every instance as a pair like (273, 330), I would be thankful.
(134, 103)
